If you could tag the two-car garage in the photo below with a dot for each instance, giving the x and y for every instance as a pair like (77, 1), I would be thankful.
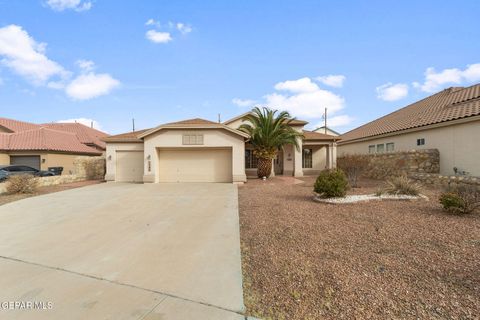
(195, 165)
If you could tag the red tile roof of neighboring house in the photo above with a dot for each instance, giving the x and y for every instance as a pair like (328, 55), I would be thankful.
(44, 139)
(86, 135)
(447, 105)
(15, 125)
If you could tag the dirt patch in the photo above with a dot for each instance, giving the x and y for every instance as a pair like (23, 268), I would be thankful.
(6, 198)
(388, 259)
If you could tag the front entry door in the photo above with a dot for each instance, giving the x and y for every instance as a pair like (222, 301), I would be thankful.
(278, 161)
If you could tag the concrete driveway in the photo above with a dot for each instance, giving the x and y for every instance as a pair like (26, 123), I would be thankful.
(123, 251)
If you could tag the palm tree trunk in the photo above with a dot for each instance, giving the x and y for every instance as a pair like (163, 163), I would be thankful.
(264, 167)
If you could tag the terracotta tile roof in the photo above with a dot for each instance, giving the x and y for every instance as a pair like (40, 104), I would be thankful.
(15, 125)
(126, 137)
(85, 134)
(311, 135)
(44, 139)
(449, 104)
(298, 122)
(195, 121)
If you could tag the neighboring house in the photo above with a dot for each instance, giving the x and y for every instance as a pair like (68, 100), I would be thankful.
(199, 150)
(328, 131)
(448, 121)
(42, 146)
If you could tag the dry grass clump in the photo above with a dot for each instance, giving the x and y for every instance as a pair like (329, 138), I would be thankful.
(24, 183)
(402, 185)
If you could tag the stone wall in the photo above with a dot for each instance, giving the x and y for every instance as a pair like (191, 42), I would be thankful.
(381, 165)
(90, 168)
(444, 182)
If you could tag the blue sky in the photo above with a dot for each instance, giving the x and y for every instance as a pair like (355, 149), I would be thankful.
(160, 61)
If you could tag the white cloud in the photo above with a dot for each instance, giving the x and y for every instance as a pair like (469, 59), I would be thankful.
(306, 99)
(435, 81)
(152, 22)
(243, 102)
(158, 36)
(26, 57)
(297, 86)
(337, 121)
(90, 85)
(85, 121)
(85, 65)
(392, 92)
(332, 80)
(77, 5)
(183, 28)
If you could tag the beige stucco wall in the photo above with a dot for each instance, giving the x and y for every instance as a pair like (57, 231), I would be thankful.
(111, 156)
(173, 138)
(4, 159)
(319, 160)
(458, 144)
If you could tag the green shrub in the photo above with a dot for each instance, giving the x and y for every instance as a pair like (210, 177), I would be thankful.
(23, 183)
(462, 199)
(331, 183)
(402, 185)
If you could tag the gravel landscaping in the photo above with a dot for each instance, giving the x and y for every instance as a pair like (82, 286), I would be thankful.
(6, 198)
(381, 259)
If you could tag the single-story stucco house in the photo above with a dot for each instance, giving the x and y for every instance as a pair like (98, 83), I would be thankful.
(42, 146)
(448, 121)
(198, 150)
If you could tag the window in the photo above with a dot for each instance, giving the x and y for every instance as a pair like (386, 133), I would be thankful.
(371, 148)
(192, 138)
(380, 148)
(420, 142)
(307, 158)
(390, 146)
(250, 160)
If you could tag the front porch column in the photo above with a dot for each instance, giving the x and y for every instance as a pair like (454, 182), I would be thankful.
(297, 161)
(334, 155)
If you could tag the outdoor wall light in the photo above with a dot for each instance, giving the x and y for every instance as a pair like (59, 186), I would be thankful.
(109, 157)
(43, 160)
(149, 157)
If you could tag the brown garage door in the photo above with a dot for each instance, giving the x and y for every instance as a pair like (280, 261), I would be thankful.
(129, 166)
(31, 161)
(195, 165)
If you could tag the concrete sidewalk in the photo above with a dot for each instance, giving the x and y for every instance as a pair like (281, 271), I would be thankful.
(124, 251)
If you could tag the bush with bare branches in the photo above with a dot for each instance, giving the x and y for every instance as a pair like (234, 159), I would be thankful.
(353, 165)
(24, 183)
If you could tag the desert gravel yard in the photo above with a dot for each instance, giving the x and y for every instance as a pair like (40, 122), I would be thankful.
(383, 259)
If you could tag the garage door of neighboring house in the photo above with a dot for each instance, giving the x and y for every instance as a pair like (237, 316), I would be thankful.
(31, 161)
(129, 166)
(195, 165)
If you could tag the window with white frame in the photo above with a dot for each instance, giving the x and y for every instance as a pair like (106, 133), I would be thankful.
(380, 148)
(390, 146)
(192, 139)
(371, 148)
(307, 161)
(251, 160)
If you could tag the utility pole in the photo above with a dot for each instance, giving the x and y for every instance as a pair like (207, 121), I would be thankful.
(219, 119)
(91, 124)
(325, 120)
(133, 124)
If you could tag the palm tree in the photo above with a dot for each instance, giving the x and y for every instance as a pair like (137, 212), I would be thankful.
(269, 131)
